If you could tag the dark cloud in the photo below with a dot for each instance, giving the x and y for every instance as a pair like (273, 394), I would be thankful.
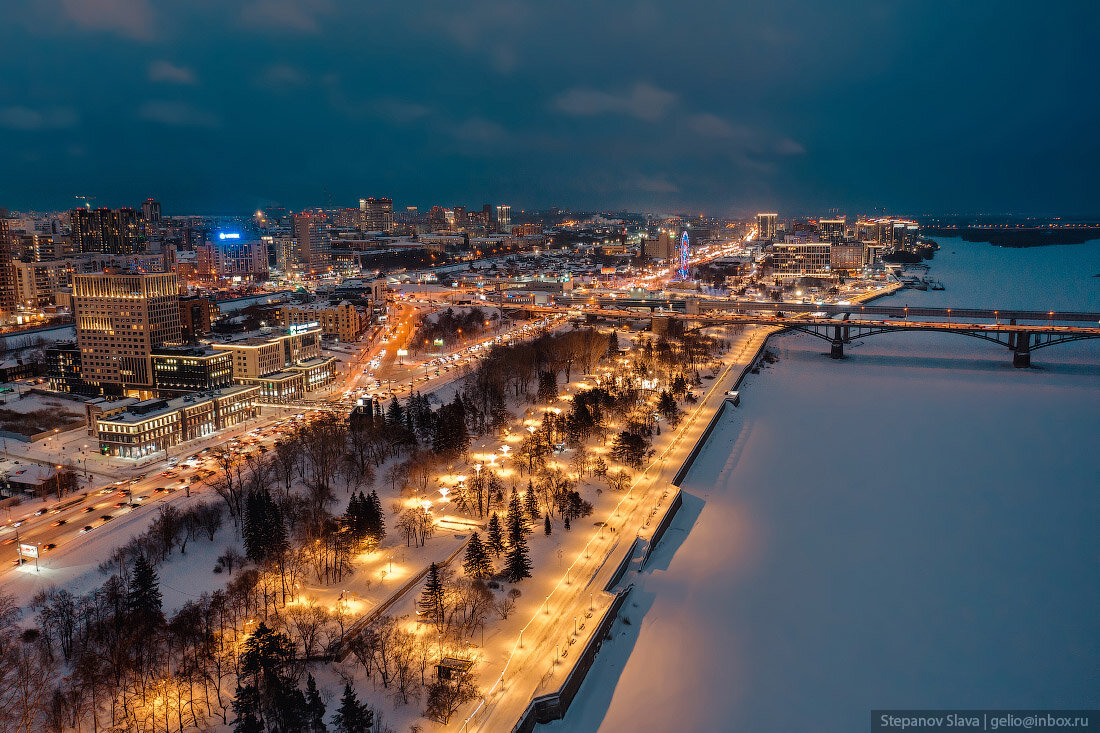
(644, 101)
(168, 72)
(26, 118)
(177, 114)
(693, 105)
(127, 18)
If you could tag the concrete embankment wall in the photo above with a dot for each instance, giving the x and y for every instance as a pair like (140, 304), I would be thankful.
(546, 708)
(666, 520)
(623, 565)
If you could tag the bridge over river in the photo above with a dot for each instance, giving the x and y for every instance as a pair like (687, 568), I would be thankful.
(1020, 331)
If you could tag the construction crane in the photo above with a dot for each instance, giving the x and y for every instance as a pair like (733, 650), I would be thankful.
(87, 201)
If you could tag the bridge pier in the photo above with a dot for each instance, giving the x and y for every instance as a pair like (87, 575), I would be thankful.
(1021, 354)
(837, 351)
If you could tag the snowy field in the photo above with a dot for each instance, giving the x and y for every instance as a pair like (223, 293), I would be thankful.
(912, 527)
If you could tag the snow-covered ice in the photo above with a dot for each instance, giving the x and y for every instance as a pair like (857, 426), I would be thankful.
(912, 527)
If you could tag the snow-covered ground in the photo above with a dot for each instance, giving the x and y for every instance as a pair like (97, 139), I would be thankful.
(912, 527)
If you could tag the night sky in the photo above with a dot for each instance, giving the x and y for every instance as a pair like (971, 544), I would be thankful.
(687, 106)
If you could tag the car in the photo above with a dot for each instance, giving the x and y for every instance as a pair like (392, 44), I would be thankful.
(88, 509)
(120, 504)
(60, 523)
(48, 546)
(87, 528)
(18, 561)
(107, 517)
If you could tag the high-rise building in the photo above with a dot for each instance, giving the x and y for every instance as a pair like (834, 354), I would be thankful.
(440, 219)
(831, 230)
(229, 254)
(314, 245)
(376, 214)
(664, 246)
(283, 252)
(150, 210)
(113, 231)
(120, 318)
(196, 316)
(766, 226)
(504, 218)
(8, 297)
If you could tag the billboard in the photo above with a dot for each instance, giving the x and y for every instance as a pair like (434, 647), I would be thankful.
(28, 550)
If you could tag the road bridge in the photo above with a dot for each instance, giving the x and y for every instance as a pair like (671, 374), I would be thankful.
(841, 329)
(707, 305)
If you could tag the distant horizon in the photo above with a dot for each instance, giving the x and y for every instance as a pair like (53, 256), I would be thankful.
(746, 214)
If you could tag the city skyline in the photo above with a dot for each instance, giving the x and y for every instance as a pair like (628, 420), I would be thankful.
(727, 110)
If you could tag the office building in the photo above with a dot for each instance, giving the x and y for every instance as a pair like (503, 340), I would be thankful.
(831, 230)
(766, 226)
(283, 253)
(138, 429)
(376, 215)
(504, 218)
(847, 257)
(197, 314)
(150, 210)
(284, 363)
(314, 245)
(801, 258)
(342, 321)
(120, 318)
(182, 369)
(8, 296)
(111, 231)
(233, 256)
(664, 246)
(63, 369)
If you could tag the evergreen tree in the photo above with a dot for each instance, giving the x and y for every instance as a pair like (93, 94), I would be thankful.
(496, 535)
(546, 528)
(265, 666)
(352, 715)
(666, 405)
(144, 599)
(375, 517)
(530, 502)
(314, 708)
(477, 563)
(265, 536)
(395, 415)
(517, 563)
(566, 522)
(432, 598)
(353, 519)
(613, 344)
(246, 706)
(548, 387)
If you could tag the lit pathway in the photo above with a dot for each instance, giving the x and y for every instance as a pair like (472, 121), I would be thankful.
(531, 667)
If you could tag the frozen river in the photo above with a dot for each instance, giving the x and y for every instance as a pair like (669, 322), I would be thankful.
(912, 527)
